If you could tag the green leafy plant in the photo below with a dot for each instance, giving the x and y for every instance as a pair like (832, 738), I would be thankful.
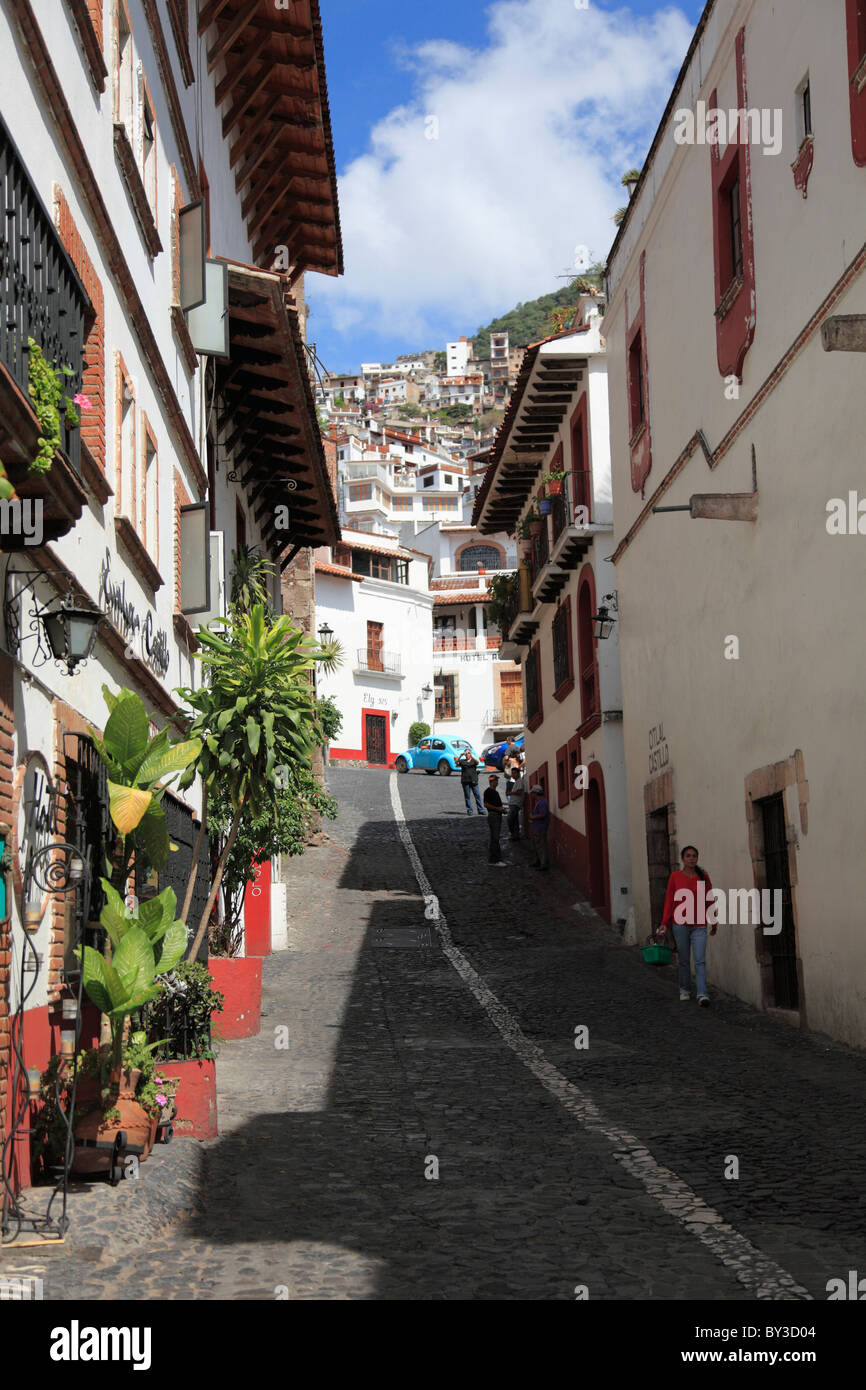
(417, 731)
(46, 384)
(138, 767)
(251, 574)
(181, 1013)
(146, 943)
(329, 717)
(255, 716)
(503, 593)
(555, 476)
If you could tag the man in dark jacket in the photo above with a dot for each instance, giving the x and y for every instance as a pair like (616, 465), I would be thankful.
(493, 806)
(468, 764)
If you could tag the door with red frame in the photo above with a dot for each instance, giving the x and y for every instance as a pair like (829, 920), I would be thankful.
(595, 846)
(375, 738)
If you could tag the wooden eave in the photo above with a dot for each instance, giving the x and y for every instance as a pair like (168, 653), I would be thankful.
(276, 117)
(268, 421)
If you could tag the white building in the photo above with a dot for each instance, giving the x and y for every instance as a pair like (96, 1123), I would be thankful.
(457, 357)
(743, 662)
(187, 446)
(374, 596)
(557, 423)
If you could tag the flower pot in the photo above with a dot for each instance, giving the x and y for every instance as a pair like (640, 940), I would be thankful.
(101, 1144)
(545, 506)
(196, 1099)
(239, 979)
(554, 487)
(536, 527)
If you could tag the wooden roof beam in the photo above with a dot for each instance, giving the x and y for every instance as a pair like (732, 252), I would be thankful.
(209, 13)
(240, 108)
(238, 71)
(231, 33)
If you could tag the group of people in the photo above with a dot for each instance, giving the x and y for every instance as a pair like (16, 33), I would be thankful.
(690, 936)
(513, 768)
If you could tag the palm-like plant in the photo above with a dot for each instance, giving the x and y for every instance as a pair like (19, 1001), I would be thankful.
(256, 713)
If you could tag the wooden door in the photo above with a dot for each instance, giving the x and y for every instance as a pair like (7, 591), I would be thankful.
(511, 693)
(377, 752)
(374, 647)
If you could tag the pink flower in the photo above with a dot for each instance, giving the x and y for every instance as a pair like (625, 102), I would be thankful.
(162, 1100)
(84, 402)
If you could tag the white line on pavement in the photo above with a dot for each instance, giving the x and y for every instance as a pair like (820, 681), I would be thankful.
(760, 1274)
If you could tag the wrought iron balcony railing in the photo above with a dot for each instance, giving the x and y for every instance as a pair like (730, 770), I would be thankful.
(379, 663)
(41, 296)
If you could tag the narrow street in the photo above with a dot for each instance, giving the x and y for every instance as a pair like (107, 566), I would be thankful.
(558, 1167)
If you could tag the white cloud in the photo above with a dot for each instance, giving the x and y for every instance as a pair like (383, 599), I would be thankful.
(534, 133)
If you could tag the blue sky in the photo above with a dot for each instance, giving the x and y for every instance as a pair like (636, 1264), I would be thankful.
(479, 148)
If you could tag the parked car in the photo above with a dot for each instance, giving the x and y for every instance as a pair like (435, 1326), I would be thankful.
(494, 754)
(433, 754)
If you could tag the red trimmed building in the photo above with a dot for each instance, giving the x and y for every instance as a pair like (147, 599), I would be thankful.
(557, 424)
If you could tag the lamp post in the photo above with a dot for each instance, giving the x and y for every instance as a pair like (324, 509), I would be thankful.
(64, 631)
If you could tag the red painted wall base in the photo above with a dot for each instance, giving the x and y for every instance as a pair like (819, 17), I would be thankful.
(196, 1098)
(240, 980)
(40, 1041)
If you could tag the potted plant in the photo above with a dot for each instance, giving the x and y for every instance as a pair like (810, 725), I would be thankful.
(536, 524)
(146, 942)
(545, 506)
(179, 1026)
(553, 482)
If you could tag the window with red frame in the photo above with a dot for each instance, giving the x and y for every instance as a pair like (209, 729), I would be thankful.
(533, 683)
(730, 228)
(562, 659)
(636, 392)
(586, 655)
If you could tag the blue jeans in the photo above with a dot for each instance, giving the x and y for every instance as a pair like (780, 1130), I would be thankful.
(470, 787)
(694, 938)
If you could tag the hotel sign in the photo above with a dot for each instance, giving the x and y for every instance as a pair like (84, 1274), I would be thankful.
(143, 639)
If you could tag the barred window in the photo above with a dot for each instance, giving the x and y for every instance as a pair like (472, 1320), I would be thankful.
(561, 647)
(533, 684)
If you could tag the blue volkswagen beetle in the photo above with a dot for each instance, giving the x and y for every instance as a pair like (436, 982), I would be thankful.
(436, 753)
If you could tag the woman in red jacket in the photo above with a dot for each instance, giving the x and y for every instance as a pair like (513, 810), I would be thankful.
(685, 913)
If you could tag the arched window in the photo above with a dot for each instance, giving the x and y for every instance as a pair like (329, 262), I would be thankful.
(475, 555)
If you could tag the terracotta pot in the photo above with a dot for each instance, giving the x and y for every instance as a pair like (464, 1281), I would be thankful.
(554, 487)
(101, 1143)
(536, 527)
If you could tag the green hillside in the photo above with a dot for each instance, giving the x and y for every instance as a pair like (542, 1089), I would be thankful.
(527, 322)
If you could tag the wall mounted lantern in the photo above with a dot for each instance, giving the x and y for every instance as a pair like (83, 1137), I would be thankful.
(602, 621)
(64, 631)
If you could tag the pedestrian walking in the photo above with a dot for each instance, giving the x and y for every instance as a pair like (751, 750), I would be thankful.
(516, 797)
(468, 764)
(687, 918)
(539, 822)
(494, 808)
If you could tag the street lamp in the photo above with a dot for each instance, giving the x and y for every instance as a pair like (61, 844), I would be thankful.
(68, 627)
(325, 634)
(426, 691)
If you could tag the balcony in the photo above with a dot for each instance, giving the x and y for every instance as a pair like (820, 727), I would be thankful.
(41, 297)
(508, 717)
(382, 664)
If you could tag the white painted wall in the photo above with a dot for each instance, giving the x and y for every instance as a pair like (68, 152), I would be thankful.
(786, 588)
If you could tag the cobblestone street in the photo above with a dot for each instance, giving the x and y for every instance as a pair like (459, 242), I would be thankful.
(558, 1166)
